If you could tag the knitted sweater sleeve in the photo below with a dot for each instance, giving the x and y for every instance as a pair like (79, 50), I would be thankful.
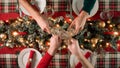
(45, 61)
(88, 5)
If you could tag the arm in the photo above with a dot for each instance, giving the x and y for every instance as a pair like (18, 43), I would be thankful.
(54, 45)
(87, 55)
(75, 49)
(36, 15)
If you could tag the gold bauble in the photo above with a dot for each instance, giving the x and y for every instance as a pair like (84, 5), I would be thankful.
(94, 40)
(3, 36)
(102, 24)
(21, 39)
(1, 22)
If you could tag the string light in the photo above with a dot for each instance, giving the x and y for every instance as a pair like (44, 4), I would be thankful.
(108, 21)
(93, 45)
(116, 33)
(15, 33)
(57, 25)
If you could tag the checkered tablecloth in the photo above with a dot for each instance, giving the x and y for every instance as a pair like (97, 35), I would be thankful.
(7, 6)
(8, 61)
(109, 60)
(63, 5)
(60, 61)
(113, 5)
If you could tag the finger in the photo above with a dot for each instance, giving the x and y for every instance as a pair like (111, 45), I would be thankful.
(48, 30)
(77, 30)
(72, 25)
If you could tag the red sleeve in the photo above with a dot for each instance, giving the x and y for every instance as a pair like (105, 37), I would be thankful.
(79, 65)
(45, 61)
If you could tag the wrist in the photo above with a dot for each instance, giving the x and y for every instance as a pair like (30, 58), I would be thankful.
(52, 51)
(79, 55)
(83, 14)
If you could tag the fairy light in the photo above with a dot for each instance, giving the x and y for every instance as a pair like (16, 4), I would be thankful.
(64, 46)
(3, 36)
(91, 23)
(116, 33)
(108, 21)
(110, 25)
(100, 45)
(57, 25)
(65, 21)
(15, 33)
(89, 19)
(93, 45)
(85, 40)
(107, 44)
(81, 46)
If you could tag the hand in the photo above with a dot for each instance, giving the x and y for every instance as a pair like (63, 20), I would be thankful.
(79, 22)
(55, 43)
(73, 47)
(75, 50)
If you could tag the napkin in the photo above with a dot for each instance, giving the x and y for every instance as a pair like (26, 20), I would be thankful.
(30, 58)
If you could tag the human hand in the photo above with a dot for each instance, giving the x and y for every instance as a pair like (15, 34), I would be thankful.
(79, 22)
(55, 43)
(73, 47)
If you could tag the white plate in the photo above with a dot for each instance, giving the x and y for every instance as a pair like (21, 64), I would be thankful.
(24, 55)
(41, 6)
(78, 4)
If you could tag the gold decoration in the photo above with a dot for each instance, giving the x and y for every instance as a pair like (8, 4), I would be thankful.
(102, 24)
(1, 22)
(108, 21)
(3, 36)
(94, 40)
(93, 45)
(64, 46)
(21, 39)
(15, 33)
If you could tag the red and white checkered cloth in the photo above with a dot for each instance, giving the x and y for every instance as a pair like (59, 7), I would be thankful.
(7, 6)
(109, 60)
(63, 5)
(60, 61)
(8, 61)
(113, 5)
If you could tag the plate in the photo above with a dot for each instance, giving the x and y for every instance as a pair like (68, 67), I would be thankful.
(24, 55)
(78, 4)
(41, 4)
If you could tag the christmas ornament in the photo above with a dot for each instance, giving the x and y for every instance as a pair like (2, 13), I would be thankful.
(102, 24)
(94, 40)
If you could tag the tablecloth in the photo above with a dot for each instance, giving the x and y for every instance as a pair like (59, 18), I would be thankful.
(108, 60)
(8, 12)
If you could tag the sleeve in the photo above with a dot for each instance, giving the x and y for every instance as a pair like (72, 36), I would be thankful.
(79, 65)
(88, 5)
(45, 61)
